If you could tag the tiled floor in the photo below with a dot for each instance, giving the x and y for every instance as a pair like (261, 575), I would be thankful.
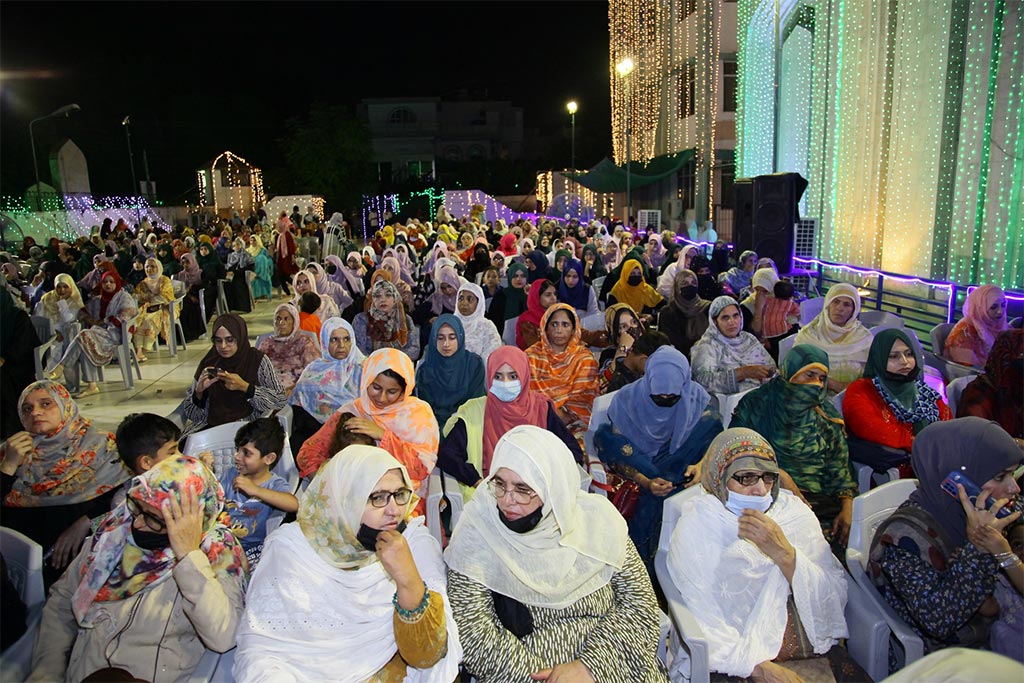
(164, 379)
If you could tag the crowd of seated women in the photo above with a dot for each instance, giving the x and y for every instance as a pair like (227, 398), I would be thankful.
(539, 579)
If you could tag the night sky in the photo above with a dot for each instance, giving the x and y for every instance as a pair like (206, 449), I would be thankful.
(199, 78)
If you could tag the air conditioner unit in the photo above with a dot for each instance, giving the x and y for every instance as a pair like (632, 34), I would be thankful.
(805, 233)
(649, 220)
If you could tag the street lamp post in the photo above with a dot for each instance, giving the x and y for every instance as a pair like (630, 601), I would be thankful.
(131, 161)
(66, 109)
(571, 106)
(624, 68)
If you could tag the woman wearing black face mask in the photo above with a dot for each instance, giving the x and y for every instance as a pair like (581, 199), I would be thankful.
(685, 319)
(525, 550)
(363, 582)
(659, 428)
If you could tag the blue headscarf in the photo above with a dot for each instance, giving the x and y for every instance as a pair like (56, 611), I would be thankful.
(540, 261)
(579, 296)
(649, 426)
(447, 383)
(328, 383)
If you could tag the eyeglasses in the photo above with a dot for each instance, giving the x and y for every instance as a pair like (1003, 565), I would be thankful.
(749, 478)
(379, 499)
(520, 494)
(152, 521)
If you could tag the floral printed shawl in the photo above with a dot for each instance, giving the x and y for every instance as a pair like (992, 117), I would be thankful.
(117, 568)
(72, 464)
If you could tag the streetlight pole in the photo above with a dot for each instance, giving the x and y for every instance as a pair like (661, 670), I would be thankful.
(66, 109)
(571, 106)
(131, 161)
(624, 68)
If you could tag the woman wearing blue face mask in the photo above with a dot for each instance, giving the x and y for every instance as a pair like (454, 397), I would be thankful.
(659, 428)
(766, 546)
(469, 436)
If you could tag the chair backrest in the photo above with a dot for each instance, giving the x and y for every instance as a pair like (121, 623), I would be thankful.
(311, 335)
(598, 416)
(873, 507)
(220, 440)
(24, 559)
(727, 404)
(671, 510)
(955, 389)
(873, 318)
(837, 401)
(938, 335)
(508, 335)
(598, 283)
(260, 338)
(809, 308)
(44, 327)
(179, 288)
(785, 345)
(594, 321)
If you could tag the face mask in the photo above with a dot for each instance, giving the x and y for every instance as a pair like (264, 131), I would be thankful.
(523, 524)
(149, 540)
(665, 401)
(689, 292)
(332, 269)
(506, 392)
(635, 279)
(367, 536)
(736, 503)
(903, 379)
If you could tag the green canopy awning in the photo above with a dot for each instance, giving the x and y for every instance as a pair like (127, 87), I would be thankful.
(608, 177)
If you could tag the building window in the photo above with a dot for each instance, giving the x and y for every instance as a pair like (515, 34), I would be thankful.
(729, 85)
(687, 181)
(687, 86)
(401, 117)
(686, 8)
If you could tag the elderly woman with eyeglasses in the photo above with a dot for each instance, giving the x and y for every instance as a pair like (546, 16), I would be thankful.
(355, 589)
(544, 582)
(751, 564)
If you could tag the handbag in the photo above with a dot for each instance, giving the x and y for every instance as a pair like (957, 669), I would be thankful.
(623, 494)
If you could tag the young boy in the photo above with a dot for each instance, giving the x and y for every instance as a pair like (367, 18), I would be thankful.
(144, 439)
(308, 319)
(251, 491)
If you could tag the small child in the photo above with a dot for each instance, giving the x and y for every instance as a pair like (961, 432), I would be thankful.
(143, 440)
(781, 312)
(1007, 633)
(344, 437)
(251, 491)
(631, 366)
(309, 303)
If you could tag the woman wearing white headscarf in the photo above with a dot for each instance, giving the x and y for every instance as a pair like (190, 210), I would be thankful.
(537, 592)
(352, 591)
(838, 332)
(482, 337)
(727, 360)
(766, 586)
(328, 287)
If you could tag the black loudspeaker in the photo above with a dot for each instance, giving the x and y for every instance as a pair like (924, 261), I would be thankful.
(775, 210)
(743, 213)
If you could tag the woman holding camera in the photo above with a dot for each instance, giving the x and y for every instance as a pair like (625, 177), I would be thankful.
(233, 382)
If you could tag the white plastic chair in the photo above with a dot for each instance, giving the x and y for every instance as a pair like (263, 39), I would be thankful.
(874, 318)
(24, 559)
(809, 308)
(47, 337)
(126, 359)
(508, 335)
(785, 345)
(727, 404)
(865, 473)
(598, 417)
(435, 493)
(870, 509)
(174, 308)
(214, 667)
(955, 389)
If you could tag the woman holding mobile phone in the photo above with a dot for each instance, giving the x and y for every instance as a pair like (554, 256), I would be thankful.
(233, 382)
(936, 559)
